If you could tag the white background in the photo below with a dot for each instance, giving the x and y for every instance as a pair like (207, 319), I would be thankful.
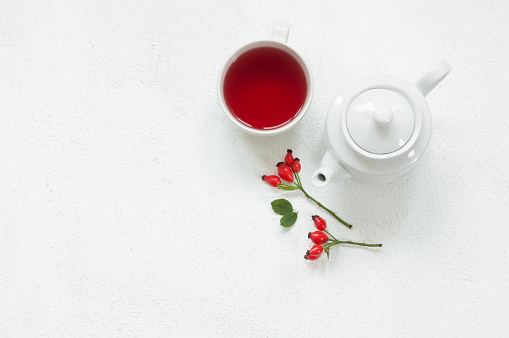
(131, 206)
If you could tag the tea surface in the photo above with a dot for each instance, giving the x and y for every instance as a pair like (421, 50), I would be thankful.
(265, 88)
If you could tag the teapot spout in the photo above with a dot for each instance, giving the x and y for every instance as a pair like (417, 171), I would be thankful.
(433, 77)
(330, 171)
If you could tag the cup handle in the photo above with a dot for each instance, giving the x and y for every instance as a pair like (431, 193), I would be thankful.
(280, 31)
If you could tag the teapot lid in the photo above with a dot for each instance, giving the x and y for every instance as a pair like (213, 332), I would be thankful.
(380, 120)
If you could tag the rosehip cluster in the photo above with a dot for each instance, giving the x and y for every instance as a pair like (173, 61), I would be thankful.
(317, 237)
(288, 171)
(322, 242)
(285, 170)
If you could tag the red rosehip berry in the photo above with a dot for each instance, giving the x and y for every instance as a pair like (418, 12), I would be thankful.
(315, 251)
(318, 237)
(311, 258)
(284, 171)
(289, 157)
(273, 180)
(319, 222)
(296, 165)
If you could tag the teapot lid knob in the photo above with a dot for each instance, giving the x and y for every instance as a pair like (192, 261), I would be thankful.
(383, 116)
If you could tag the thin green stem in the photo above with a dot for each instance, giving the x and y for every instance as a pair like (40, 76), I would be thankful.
(328, 233)
(355, 243)
(297, 176)
(325, 208)
(296, 182)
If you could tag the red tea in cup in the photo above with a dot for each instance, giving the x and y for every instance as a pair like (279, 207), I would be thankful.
(265, 88)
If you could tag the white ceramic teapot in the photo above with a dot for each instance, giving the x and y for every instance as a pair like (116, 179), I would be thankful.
(378, 128)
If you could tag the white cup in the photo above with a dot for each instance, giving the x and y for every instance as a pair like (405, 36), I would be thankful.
(278, 39)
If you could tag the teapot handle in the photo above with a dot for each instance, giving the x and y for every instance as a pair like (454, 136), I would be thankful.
(433, 77)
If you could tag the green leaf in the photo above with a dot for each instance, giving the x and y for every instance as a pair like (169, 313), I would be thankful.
(327, 251)
(281, 206)
(287, 188)
(288, 219)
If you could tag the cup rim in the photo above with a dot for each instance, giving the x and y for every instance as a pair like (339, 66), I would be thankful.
(242, 50)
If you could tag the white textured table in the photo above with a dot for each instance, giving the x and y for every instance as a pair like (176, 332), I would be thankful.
(130, 206)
